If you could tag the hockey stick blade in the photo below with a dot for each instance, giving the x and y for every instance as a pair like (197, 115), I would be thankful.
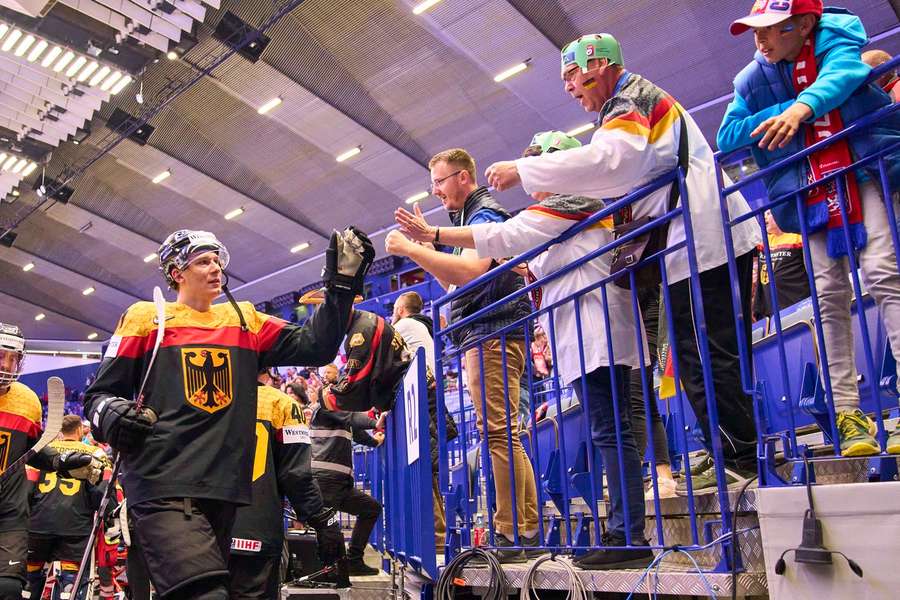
(56, 404)
(160, 302)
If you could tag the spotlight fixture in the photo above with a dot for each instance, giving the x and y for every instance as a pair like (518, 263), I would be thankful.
(39, 317)
(28, 267)
(269, 105)
(61, 194)
(234, 213)
(421, 7)
(150, 258)
(232, 31)
(162, 176)
(348, 154)
(299, 247)
(120, 121)
(81, 134)
(88, 291)
(172, 55)
(417, 197)
(92, 335)
(504, 75)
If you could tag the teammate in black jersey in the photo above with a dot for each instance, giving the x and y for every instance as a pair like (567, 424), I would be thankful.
(20, 428)
(62, 512)
(187, 460)
(281, 467)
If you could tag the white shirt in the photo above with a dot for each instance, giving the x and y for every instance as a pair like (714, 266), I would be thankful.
(529, 229)
(417, 336)
(621, 158)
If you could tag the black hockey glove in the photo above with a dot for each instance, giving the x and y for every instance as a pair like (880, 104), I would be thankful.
(330, 540)
(75, 464)
(123, 426)
(347, 260)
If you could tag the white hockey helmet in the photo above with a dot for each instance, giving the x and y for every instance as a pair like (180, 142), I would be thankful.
(181, 248)
(12, 354)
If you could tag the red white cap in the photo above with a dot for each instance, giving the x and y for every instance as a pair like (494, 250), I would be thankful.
(766, 13)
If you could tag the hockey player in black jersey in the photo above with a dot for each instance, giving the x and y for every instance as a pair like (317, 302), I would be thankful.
(281, 467)
(62, 512)
(20, 428)
(186, 459)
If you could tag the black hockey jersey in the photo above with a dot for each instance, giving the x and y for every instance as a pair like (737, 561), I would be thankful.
(203, 388)
(377, 359)
(62, 506)
(20, 428)
(280, 467)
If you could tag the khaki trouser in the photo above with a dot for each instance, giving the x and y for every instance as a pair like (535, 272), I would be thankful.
(878, 273)
(497, 421)
(440, 519)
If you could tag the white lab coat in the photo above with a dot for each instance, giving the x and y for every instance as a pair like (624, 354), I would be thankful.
(618, 161)
(531, 228)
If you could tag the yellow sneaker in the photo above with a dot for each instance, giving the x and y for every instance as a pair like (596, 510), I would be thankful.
(854, 429)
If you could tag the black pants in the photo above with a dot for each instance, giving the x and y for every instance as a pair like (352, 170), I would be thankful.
(183, 541)
(735, 408)
(648, 299)
(339, 492)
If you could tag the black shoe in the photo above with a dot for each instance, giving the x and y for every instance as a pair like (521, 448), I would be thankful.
(503, 556)
(531, 542)
(357, 568)
(609, 559)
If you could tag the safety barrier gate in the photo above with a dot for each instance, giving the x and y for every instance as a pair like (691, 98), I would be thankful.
(402, 478)
(570, 467)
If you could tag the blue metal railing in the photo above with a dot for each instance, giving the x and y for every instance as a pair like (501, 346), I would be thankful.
(561, 482)
(814, 395)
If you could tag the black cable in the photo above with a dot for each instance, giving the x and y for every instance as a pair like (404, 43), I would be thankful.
(498, 588)
(734, 540)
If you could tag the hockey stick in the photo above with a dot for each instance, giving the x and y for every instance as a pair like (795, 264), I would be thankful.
(160, 302)
(56, 404)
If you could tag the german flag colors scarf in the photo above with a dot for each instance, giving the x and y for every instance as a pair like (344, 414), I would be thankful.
(822, 209)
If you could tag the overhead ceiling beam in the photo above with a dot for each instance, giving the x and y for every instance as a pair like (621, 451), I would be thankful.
(324, 126)
(149, 161)
(94, 281)
(55, 312)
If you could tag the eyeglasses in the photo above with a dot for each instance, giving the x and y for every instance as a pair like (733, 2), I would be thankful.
(440, 181)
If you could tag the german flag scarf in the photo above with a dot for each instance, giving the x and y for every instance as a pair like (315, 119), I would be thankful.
(822, 208)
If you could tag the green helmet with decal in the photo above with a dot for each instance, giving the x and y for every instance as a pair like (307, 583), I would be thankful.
(588, 47)
(551, 141)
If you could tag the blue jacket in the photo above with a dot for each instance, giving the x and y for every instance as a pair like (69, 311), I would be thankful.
(764, 90)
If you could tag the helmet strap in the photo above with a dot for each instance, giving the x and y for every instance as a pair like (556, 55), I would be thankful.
(234, 303)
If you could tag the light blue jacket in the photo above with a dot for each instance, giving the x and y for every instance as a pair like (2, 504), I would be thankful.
(764, 90)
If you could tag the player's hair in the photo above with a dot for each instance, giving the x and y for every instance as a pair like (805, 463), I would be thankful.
(412, 301)
(457, 158)
(70, 424)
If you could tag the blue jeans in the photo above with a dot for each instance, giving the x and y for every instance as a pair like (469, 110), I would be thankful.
(599, 404)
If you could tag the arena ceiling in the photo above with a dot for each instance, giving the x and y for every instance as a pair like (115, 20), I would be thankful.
(350, 74)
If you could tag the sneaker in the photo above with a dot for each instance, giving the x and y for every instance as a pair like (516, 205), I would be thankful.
(532, 542)
(703, 478)
(893, 443)
(508, 556)
(608, 559)
(356, 567)
(854, 429)
(666, 489)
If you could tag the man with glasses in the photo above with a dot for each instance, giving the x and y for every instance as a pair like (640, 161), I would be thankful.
(467, 203)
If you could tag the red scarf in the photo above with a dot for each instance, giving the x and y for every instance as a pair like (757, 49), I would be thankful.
(822, 202)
